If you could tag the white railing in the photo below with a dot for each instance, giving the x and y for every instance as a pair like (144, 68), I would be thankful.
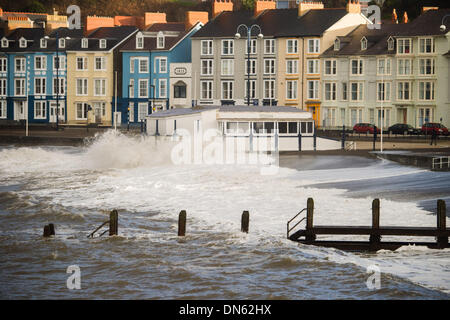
(440, 163)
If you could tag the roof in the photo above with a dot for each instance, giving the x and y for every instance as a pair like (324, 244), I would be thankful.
(179, 112)
(428, 24)
(112, 35)
(274, 22)
(168, 26)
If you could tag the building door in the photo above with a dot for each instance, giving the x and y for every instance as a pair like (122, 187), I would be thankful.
(19, 110)
(53, 110)
(315, 111)
(98, 113)
(402, 115)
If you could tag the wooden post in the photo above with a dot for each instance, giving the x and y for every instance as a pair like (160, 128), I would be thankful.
(113, 223)
(245, 219)
(52, 229)
(310, 236)
(46, 231)
(442, 241)
(375, 238)
(182, 223)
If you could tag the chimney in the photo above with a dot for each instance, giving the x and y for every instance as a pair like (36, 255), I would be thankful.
(394, 16)
(261, 5)
(405, 17)
(425, 9)
(154, 17)
(305, 6)
(218, 6)
(353, 6)
(1, 11)
(192, 17)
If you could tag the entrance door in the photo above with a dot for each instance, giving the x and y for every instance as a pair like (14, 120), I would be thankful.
(52, 114)
(19, 110)
(402, 116)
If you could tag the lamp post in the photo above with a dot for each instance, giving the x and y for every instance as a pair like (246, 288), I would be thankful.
(443, 27)
(249, 34)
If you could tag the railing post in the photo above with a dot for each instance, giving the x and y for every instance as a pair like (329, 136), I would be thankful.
(299, 141)
(310, 236)
(343, 137)
(113, 223)
(442, 241)
(245, 220)
(182, 223)
(315, 139)
(375, 238)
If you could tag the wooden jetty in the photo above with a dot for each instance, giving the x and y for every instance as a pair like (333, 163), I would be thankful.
(308, 235)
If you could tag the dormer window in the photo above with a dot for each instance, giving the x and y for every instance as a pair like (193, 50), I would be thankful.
(62, 43)
(391, 44)
(84, 43)
(363, 44)
(102, 44)
(337, 45)
(139, 41)
(43, 43)
(22, 43)
(5, 43)
(160, 41)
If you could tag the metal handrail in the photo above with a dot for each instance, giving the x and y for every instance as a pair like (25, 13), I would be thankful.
(289, 222)
(92, 234)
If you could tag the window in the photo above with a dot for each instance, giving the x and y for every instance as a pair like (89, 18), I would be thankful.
(206, 90)
(313, 45)
(131, 112)
(132, 61)
(162, 62)
(99, 87)
(288, 128)
(206, 67)
(292, 46)
(22, 43)
(330, 67)
(102, 44)
(356, 66)
(227, 47)
(19, 87)
(252, 89)
(237, 128)
(206, 47)
(291, 66)
(139, 41)
(40, 110)
(425, 115)
(100, 106)
(143, 65)
(81, 63)
(3, 65)
(269, 46)
(384, 66)
(404, 67)
(163, 88)
(356, 116)
(43, 43)
(263, 127)
(404, 91)
(404, 46)
(82, 86)
(19, 65)
(291, 89)
(40, 62)
(330, 91)
(59, 63)
(252, 66)
(179, 90)
(313, 66)
(356, 93)
(131, 88)
(143, 88)
(383, 91)
(61, 88)
(426, 90)
(84, 43)
(363, 44)
(313, 89)
(160, 43)
(227, 90)
(142, 111)
(39, 86)
(337, 44)
(269, 66)
(62, 43)
(253, 46)
(3, 109)
(269, 89)
(344, 91)
(329, 117)
(426, 66)
(100, 64)
(3, 87)
(391, 44)
(426, 45)
(227, 67)
(5, 43)
(82, 110)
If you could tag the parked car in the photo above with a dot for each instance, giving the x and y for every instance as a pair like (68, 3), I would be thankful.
(429, 127)
(364, 128)
(402, 128)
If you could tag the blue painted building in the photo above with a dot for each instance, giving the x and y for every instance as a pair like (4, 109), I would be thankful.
(33, 76)
(145, 71)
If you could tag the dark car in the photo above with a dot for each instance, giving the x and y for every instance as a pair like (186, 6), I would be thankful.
(364, 128)
(438, 128)
(402, 128)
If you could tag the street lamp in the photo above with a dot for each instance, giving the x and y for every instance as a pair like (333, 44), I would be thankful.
(443, 27)
(249, 33)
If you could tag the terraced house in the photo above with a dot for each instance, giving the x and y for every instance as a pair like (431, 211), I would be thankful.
(32, 76)
(397, 74)
(284, 63)
(91, 63)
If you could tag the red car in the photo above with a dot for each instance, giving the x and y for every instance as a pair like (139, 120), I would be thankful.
(429, 127)
(364, 128)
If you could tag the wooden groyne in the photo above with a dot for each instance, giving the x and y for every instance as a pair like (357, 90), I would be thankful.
(309, 234)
